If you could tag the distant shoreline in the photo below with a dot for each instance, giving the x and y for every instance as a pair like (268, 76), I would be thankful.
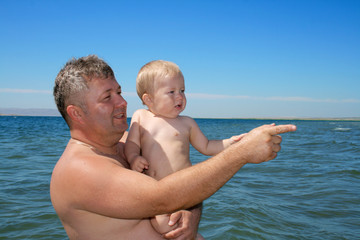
(294, 118)
(276, 119)
(37, 112)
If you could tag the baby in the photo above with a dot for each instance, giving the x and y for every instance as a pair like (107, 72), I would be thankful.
(159, 138)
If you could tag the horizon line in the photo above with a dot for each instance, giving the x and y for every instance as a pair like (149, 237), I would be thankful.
(53, 112)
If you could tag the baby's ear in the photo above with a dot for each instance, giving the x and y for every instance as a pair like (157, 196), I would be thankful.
(146, 98)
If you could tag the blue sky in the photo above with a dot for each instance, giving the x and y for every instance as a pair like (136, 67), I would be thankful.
(274, 58)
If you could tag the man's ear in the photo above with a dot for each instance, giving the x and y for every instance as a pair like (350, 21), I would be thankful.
(75, 113)
(147, 99)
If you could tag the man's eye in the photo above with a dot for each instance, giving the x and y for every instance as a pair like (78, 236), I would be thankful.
(119, 93)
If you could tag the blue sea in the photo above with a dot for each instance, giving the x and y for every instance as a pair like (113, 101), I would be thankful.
(310, 191)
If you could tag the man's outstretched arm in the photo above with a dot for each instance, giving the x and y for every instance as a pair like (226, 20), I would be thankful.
(122, 193)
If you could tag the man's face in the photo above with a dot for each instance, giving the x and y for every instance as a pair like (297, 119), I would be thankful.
(106, 108)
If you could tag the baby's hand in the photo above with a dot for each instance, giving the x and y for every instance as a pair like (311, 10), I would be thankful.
(139, 164)
(237, 138)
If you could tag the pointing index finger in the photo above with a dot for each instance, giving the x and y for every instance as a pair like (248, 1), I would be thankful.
(275, 130)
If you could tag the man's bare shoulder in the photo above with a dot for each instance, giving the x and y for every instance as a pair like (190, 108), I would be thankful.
(80, 161)
(82, 171)
(84, 160)
(86, 186)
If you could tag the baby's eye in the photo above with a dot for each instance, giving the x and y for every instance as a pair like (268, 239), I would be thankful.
(182, 91)
(171, 92)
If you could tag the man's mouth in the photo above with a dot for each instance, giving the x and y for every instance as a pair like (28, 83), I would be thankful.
(120, 115)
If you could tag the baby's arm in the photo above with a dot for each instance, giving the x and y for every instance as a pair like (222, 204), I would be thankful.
(137, 162)
(132, 146)
(209, 147)
(232, 140)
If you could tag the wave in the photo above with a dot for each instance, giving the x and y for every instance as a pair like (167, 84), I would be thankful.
(340, 129)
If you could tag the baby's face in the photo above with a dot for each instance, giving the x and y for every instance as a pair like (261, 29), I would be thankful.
(169, 98)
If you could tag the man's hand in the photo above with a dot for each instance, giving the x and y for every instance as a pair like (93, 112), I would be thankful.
(187, 226)
(237, 138)
(264, 142)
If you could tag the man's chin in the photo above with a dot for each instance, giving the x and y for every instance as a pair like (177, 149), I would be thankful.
(122, 127)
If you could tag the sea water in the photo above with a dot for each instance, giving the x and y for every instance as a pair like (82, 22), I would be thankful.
(310, 191)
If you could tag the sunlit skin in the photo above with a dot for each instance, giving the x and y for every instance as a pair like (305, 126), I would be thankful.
(98, 151)
(159, 138)
(168, 99)
(106, 112)
(97, 196)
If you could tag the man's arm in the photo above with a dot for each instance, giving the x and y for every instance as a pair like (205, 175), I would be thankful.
(122, 193)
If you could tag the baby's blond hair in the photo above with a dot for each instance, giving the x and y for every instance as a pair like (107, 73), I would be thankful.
(145, 80)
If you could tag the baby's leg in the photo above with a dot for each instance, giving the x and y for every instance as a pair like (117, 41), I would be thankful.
(161, 223)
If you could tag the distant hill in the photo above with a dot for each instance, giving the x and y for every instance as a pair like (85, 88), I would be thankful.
(29, 112)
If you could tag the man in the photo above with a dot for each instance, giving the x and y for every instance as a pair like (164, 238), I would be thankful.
(93, 190)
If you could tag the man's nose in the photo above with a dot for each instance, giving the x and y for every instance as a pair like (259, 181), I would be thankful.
(120, 101)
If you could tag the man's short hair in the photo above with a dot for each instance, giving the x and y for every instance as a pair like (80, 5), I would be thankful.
(72, 81)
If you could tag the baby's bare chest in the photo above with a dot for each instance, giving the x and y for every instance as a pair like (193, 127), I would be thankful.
(166, 132)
